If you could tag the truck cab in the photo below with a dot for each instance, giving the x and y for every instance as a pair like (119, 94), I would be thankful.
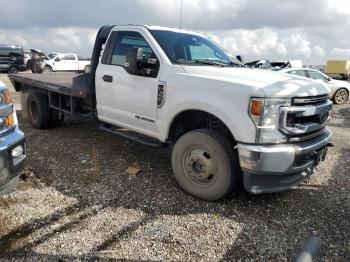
(227, 124)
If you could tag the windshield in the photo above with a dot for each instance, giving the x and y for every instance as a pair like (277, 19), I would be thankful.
(52, 56)
(182, 48)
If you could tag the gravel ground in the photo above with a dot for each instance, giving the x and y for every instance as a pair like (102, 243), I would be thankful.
(75, 202)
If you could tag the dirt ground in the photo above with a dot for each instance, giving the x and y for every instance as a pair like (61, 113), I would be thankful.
(76, 202)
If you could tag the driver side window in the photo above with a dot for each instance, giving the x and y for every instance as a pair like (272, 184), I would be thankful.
(124, 42)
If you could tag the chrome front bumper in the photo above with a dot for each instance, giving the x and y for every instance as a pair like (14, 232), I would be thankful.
(273, 168)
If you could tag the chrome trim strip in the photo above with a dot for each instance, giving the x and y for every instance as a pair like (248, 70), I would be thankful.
(308, 136)
(310, 100)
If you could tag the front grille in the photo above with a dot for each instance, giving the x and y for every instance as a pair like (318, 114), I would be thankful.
(293, 119)
(306, 118)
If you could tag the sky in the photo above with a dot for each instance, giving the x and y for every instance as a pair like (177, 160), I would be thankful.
(311, 30)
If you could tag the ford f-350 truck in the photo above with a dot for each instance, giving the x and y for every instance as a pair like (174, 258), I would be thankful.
(12, 143)
(227, 124)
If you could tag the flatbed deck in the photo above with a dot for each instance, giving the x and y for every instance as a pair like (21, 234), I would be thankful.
(71, 84)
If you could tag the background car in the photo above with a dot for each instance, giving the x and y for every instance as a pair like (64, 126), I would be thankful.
(339, 89)
(11, 59)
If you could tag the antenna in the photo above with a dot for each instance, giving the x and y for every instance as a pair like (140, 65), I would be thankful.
(180, 14)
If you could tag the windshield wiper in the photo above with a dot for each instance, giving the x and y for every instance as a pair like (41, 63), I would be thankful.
(232, 63)
(209, 62)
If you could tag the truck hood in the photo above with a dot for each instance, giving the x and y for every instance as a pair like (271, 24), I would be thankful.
(37, 54)
(273, 84)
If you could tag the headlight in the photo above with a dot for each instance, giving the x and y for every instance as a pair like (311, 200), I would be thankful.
(5, 97)
(10, 120)
(265, 114)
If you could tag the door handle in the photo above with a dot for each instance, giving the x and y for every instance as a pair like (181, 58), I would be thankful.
(107, 78)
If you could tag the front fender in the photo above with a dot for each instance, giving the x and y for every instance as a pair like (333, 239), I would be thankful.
(233, 116)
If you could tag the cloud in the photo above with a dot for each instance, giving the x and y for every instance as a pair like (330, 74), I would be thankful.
(319, 51)
(267, 43)
(308, 30)
(61, 39)
(197, 14)
(341, 6)
(203, 14)
(340, 53)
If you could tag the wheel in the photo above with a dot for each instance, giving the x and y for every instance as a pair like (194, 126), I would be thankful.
(341, 96)
(56, 118)
(205, 164)
(39, 114)
(87, 69)
(47, 69)
(13, 70)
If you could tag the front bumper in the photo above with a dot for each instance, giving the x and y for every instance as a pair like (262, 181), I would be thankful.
(273, 168)
(11, 167)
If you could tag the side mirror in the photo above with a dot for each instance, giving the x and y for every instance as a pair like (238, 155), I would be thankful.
(57, 59)
(134, 56)
(149, 67)
(240, 58)
(136, 64)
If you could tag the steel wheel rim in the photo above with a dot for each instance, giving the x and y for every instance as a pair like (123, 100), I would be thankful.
(341, 96)
(200, 166)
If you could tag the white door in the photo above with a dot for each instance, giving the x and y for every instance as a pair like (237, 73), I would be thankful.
(70, 62)
(124, 99)
(58, 63)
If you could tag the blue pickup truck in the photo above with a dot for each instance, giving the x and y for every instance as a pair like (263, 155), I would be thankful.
(12, 143)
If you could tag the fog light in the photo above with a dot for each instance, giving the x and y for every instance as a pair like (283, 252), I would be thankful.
(17, 151)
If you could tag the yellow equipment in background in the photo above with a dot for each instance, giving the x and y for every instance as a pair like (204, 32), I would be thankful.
(338, 68)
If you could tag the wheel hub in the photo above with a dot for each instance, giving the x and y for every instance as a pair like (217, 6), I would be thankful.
(199, 166)
(341, 96)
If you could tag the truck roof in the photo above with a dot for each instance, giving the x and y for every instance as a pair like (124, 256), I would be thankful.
(165, 28)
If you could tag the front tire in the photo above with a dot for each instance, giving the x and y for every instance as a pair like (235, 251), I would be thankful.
(47, 69)
(205, 164)
(13, 70)
(341, 96)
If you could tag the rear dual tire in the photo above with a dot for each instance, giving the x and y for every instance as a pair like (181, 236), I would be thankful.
(205, 164)
(40, 115)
